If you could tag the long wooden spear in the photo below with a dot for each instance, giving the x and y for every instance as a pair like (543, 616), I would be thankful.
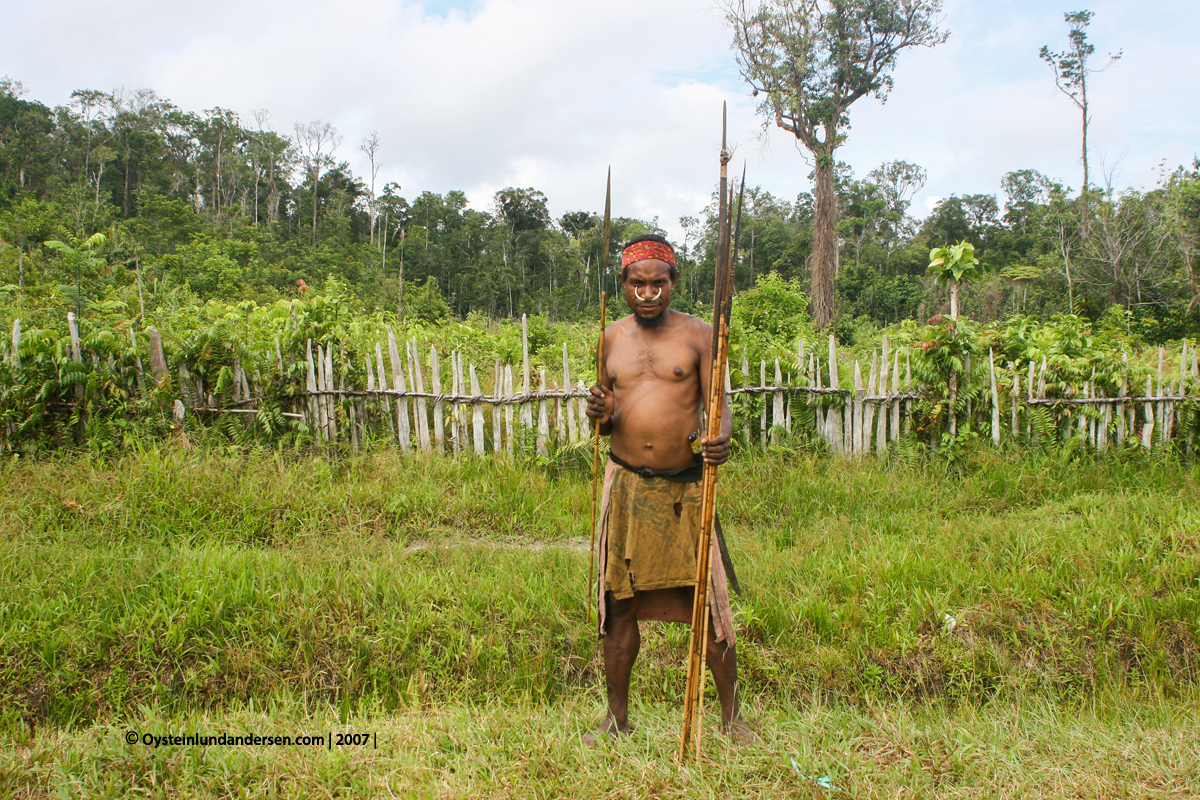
(722, 295)
(592, 595)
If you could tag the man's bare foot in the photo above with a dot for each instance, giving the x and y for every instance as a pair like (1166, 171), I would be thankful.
(740, 733)
(606, 730)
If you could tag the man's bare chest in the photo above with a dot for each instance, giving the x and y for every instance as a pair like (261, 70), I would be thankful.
(632, 363)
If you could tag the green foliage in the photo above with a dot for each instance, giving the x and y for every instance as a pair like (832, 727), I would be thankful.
(426, 304)
(954, 264)
(769, 319)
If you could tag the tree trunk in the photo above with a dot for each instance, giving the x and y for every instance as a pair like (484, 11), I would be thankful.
(1085, 215)
(825, 246)
(127, 211)
(316, 176)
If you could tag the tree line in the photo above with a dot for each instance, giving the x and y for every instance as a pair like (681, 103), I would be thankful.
(123, 192)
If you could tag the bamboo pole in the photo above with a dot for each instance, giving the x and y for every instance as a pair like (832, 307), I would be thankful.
(698, 642)
(596, 443)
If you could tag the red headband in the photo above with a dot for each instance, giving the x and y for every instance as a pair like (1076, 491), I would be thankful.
(640, 251)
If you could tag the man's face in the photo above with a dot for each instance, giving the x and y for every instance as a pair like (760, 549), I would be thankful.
(648, 287)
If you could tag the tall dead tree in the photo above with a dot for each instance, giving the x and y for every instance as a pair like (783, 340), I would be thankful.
(316, 141)
(808, 61)
(1071, 73)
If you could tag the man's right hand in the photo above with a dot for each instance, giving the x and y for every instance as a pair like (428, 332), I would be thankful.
(600, 404)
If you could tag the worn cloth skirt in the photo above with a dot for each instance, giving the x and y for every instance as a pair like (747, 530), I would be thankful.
(649, 533)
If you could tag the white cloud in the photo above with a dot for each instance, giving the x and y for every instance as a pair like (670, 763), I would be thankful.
(481, 94)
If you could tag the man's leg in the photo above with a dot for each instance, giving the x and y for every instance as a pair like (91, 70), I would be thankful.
(723, 663)
(622, 640)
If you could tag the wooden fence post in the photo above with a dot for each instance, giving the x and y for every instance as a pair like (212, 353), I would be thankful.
(856, 437)
(543, 424)
(417, 379)
(526, 404)
(1148, 407)
(745, 383)
(403, 431)
(995, 399)
(777, 406)
(568, 402)
(477, 412)
(497, 393)
(884, 409)
(15, 357)
(509, 434)
(833, 418)
(895, 432)
(310, 383)
(435, 381)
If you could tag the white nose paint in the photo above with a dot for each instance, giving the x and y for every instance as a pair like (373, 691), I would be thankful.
(648, 299)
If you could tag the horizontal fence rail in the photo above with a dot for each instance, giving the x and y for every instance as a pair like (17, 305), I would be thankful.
(406, 401)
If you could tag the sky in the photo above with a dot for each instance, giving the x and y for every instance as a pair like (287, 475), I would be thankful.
(478, 95)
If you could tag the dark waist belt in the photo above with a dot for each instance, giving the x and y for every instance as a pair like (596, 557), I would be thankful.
(689, 474)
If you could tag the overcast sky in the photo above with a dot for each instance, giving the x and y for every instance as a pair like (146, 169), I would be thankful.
(478, 95)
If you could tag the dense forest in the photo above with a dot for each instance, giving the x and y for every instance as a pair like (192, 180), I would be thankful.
(124, 191)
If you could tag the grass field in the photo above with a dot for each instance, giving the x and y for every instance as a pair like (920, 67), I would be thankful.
(1021, 624)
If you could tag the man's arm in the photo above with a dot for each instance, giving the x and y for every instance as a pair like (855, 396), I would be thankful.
(601, 401)
(715, 450)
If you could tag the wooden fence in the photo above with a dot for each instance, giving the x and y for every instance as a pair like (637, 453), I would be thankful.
(405, 400)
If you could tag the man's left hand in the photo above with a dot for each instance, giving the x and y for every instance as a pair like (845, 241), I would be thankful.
(715, 450)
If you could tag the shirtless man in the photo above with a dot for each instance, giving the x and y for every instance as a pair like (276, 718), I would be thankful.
(656, 370)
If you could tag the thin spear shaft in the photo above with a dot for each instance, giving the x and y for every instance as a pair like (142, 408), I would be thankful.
(593, 594)
(697, 647)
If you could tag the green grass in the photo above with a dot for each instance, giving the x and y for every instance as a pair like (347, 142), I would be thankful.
(1021, 621)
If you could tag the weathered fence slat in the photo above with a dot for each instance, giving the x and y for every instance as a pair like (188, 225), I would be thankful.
(568, 405)
(833, 418)
(543, 423)
(777, 420)
(509, 433)
(856, 441)
(995, 399)
(497, 392)
(435, 383)
(526, 408)
(417, 379)
(869, 407)
(15, 355)
(477, 412)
